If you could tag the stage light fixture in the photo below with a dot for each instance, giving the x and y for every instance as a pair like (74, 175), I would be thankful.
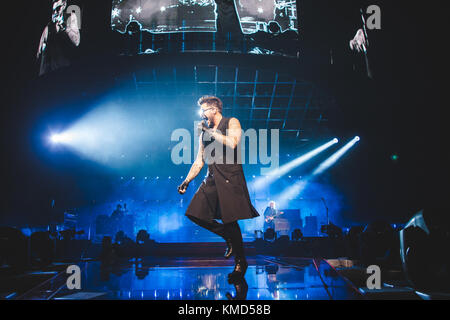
(270, 234)
(55, 138)
(59, 138)
(258, 234)
(297, 235)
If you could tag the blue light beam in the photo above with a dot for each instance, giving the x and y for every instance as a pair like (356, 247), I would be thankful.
(262, 182)
(335, 157)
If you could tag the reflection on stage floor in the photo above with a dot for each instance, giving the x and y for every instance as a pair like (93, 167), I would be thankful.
(267, 278)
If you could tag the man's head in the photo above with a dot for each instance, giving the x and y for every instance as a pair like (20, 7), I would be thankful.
(272, 204)
(210, 107)
(58, 7)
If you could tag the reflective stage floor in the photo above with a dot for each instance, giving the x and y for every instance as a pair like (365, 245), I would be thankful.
(267, 278)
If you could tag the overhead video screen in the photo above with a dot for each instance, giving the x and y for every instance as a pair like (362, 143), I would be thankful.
(163, 16)
(60, 37)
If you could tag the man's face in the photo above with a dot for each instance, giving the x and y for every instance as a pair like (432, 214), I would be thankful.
(208, 111)
(58, 10)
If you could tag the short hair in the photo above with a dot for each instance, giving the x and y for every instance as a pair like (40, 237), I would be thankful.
(64, 2)
(211, 100)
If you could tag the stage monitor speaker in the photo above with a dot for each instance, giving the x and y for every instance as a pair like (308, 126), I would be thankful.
(270, 234)
(282, 226)
(424, 250)
(294, 218)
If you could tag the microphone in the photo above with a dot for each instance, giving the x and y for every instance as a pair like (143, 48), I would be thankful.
(204, 123)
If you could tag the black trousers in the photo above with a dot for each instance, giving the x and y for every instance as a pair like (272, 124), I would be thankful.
(228, 231)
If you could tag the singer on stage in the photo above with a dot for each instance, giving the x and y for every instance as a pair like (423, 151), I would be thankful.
(58, 40)
(223, 194)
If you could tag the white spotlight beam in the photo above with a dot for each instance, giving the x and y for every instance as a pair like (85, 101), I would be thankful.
(110, 135)
(335, 157)
(296, 189)
(290, 193)
(281, 171)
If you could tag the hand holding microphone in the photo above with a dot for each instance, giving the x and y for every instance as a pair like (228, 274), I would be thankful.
(182, 187)
(203, 127)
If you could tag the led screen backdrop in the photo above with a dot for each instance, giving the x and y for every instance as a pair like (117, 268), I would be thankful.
(162, 16)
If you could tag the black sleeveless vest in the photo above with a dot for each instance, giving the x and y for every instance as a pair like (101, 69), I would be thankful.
(219, 156)
(225, 180)
(59, 50)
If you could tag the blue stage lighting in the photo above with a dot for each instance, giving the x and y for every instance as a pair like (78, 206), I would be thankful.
(262, 182)
(290, 193)
(335, 157)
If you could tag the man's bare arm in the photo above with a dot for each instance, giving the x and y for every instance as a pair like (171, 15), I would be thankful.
(198, 163)
(234, 134)
(195, 168)
(42, 42)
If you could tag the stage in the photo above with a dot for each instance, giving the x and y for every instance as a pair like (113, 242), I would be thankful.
(267, 278)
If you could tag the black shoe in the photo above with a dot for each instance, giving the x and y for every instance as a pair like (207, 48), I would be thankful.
(229, 250)
(239, 269)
